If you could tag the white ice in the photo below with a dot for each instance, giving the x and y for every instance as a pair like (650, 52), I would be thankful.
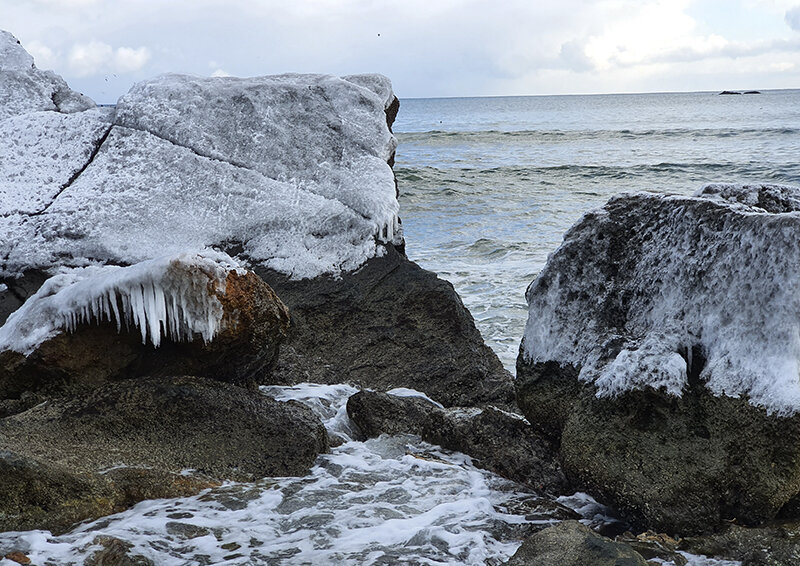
(169, 297)
(293, 168)
(715, 272)
(24, 88)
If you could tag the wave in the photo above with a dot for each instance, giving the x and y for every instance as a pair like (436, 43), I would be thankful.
(493, 136)
(752, 171)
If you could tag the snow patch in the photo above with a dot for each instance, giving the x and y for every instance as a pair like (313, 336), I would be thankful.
(653, 289)
(172, 297)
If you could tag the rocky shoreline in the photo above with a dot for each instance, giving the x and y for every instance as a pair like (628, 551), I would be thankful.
(175, 257)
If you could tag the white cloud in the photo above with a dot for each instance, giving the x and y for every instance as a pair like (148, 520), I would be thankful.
(127, 59)
(220, 73)
(96, 57)
(43, 56)
(792, 18)
(427, 47)
(89, 58)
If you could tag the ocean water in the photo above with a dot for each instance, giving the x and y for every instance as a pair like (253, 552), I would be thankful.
(488, 186)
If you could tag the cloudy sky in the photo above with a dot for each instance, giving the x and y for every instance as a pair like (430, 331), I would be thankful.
(427, 47)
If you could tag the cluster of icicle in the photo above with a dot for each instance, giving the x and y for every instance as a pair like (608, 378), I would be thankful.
(173, 297)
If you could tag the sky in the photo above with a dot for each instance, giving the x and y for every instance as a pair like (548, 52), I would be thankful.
(428, 48)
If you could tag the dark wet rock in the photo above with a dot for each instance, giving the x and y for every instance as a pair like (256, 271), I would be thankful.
(496, 440)
(776, 545)
(18, 290)
(115, 552)
(652, 308)
(186, 530)
(730, 92)
(654, 546)
(572, 544)
(254, 322)
(752, 92)
(154, 422)
(68, 460)
(389, 324)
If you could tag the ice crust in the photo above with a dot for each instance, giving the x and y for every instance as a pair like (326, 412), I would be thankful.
(24, 88)
(289, 171)
(41, 152)
(172, 297)
(640, 287)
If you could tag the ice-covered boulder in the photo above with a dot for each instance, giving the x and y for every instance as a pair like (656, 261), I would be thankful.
(24, 88)
(188, 314)
(290, 172)
(662, 348)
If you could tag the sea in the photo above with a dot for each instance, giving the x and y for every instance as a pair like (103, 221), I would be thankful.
(488, 186)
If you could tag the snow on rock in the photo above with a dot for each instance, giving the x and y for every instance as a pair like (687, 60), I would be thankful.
(174, 297)
(41, 152)
(324, 134)
(652, 289)
(290, 172)
(24, 88)
(13, 56)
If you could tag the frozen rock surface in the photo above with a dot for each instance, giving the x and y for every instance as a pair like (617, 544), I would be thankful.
(290, 172)
(661, 354)
(24, 88)
(190, 314)
(176, 297)
(651, 290)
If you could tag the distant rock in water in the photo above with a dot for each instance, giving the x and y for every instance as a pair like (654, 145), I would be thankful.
(730, 92)
(752, 92)
(662, 350)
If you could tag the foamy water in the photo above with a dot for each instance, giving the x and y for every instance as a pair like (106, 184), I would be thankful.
(389, 500)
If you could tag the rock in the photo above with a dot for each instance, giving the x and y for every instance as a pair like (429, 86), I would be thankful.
(24, 88)
(108, 345)
(149, 427)
(18, 557)
(730, 92)
(654, 546)
(291, 171)
(389, 324)
(571, 544)
(498, 441)
(658, 352)
(776, 545)
(115, 552)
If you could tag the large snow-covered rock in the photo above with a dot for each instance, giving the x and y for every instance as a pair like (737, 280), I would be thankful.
(291, 171)
(24, 88)
(662, 350)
